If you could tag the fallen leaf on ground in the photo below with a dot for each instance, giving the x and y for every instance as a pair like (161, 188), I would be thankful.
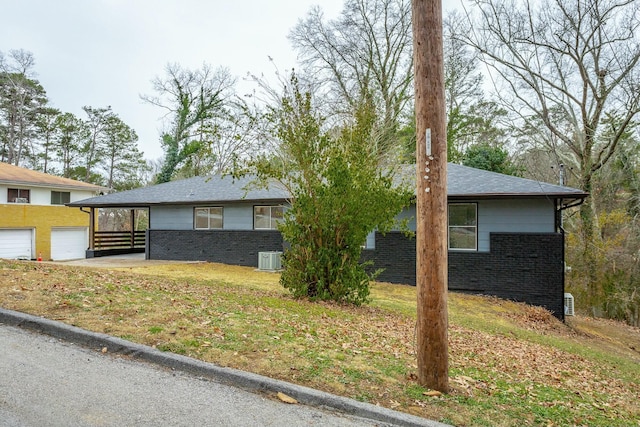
(286, 399)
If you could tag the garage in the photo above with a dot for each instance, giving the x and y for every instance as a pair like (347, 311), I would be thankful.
(16, 243)
(69, 243)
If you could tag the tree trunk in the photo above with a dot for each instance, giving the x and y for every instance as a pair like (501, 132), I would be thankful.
(590, 235)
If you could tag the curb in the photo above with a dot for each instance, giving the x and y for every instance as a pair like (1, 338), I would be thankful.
(233, 377)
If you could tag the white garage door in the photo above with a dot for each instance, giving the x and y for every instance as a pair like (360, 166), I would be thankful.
(69, 243)
(16, 243)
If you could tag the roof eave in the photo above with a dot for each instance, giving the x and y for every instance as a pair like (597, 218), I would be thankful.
(575, 196)
(52, 185)
(176, 203)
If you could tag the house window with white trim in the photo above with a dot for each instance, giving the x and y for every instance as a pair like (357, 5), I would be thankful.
(267, 217)
(208, 218)
(18, 195)
(463, 226)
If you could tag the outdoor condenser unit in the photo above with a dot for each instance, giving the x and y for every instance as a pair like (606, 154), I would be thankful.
(269, 260)
(568, 305)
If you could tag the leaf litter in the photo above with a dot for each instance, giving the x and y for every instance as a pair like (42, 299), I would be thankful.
(511, 373)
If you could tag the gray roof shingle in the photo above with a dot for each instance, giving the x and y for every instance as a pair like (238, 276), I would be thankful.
(462, 182)
(196, 190)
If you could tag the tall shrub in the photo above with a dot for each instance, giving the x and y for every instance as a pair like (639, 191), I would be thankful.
(339, 195)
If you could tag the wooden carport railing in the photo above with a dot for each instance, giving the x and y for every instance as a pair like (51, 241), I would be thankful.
(105, 243)
(105, 240)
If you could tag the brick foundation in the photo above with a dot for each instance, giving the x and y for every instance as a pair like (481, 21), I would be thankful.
(521, 267)
(237, 247)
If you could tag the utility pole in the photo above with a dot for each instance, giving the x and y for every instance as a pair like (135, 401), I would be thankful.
(431, 205)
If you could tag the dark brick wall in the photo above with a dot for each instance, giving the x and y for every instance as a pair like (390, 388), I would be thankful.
(396, 254)
(521, 267)
(237, 247)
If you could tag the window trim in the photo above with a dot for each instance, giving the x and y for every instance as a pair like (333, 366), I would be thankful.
(273, 223)
(475, 227)
(19, 195)
(195, 217)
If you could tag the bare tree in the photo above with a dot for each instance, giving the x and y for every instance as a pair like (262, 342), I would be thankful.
(567, 65)
(366, 51)
(231, 138)
(472, 118)
(190, 99)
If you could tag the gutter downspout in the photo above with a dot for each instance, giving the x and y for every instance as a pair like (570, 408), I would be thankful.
(92, 227)
(560, 229)
(564, 270)
(92, 231)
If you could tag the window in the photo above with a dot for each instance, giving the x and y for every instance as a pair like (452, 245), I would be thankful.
(60, 197)
(370, 241)
(16, 195)
(463, 226)
(208, 218)
(267, 217)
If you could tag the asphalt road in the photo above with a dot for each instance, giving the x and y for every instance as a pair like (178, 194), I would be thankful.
(53, 374)
(48, 382)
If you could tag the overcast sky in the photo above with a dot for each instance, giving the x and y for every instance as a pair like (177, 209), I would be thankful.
(106, 52)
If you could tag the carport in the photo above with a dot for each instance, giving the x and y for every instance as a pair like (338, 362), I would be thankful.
(107, 242)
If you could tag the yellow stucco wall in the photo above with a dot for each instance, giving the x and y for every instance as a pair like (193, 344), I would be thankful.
(41, 218)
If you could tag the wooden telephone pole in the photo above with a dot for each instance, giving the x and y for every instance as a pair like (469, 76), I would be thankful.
(431, 205)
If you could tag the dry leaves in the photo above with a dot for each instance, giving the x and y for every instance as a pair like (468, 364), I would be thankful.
(362, 352)
(286, 398)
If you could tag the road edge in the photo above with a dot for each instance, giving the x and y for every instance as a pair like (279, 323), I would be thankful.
(234, 377)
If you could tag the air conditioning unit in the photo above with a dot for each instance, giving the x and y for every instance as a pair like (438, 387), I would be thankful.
(269, 261)
(568, 305)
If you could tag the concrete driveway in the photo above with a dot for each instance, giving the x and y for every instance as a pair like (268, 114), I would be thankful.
(120, 261)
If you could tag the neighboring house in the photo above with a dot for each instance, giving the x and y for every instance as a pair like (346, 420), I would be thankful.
(505, 236)
(34, 221)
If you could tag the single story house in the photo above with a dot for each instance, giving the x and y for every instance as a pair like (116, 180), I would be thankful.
(34, 221)
(505, 234)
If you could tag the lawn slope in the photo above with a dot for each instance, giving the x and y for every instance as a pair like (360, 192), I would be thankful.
(510, 364)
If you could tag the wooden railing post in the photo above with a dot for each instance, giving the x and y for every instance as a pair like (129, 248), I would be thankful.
(132, 221)
(92, 229)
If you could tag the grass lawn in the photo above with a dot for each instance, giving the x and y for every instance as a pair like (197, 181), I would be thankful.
(510, 364)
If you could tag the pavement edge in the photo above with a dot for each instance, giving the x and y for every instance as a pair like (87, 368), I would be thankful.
(234, 377)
